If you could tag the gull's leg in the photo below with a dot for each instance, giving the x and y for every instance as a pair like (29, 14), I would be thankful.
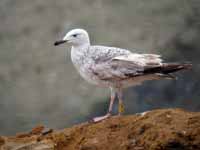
(112, 98)
(120, 98)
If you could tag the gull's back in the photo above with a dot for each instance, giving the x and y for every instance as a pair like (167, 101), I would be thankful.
(101, 54)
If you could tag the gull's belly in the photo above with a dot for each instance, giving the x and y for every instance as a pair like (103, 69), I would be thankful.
(87, 74)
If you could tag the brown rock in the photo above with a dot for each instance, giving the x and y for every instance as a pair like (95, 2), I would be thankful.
(2, 140)
(37, 130)
(164, 129)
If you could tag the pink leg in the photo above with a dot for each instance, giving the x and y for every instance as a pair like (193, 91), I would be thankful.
(112, 98)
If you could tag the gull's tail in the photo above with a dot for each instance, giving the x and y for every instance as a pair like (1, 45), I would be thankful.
(166, 69)
(173, 67)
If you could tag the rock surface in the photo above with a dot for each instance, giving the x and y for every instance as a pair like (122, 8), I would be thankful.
(163, 129)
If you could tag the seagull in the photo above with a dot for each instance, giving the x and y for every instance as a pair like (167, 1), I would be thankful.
(115, 68)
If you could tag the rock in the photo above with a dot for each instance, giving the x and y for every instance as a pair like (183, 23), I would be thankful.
(164, 129)
(2, 140)
(37, 130)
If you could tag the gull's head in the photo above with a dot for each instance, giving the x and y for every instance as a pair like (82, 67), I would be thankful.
(76, 37)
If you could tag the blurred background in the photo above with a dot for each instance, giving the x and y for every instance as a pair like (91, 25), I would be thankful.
(38, 83)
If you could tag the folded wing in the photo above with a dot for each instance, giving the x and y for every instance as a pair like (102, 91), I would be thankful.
(126, 66)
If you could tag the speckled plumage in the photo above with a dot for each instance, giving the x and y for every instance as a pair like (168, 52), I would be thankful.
(113, 67)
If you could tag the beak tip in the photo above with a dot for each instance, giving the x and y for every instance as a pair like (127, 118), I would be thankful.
(55, 43)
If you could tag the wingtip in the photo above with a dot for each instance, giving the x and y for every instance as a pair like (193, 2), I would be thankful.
(187, 65)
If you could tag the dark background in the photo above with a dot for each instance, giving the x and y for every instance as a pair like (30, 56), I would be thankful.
(38, 83)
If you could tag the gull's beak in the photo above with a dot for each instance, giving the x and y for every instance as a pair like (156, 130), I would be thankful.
(59, 42)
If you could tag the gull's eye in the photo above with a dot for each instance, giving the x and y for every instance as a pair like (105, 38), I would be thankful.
(75, 35)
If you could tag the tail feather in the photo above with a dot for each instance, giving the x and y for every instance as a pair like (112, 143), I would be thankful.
(167, 68)
(173, 67)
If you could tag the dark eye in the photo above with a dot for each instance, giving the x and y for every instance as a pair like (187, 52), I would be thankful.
(75, 35)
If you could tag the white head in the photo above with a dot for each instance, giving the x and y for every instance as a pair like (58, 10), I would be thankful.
(76, 37)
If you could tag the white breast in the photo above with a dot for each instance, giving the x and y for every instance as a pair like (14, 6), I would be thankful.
(82, 63)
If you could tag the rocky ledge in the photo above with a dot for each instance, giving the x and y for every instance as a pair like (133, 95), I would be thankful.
(162, 129)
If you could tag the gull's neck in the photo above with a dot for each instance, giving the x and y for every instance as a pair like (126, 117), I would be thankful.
(78, 53)
(82, 46)
(80, 50)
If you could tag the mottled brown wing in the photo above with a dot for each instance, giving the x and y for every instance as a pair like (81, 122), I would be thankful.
(117, 69)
